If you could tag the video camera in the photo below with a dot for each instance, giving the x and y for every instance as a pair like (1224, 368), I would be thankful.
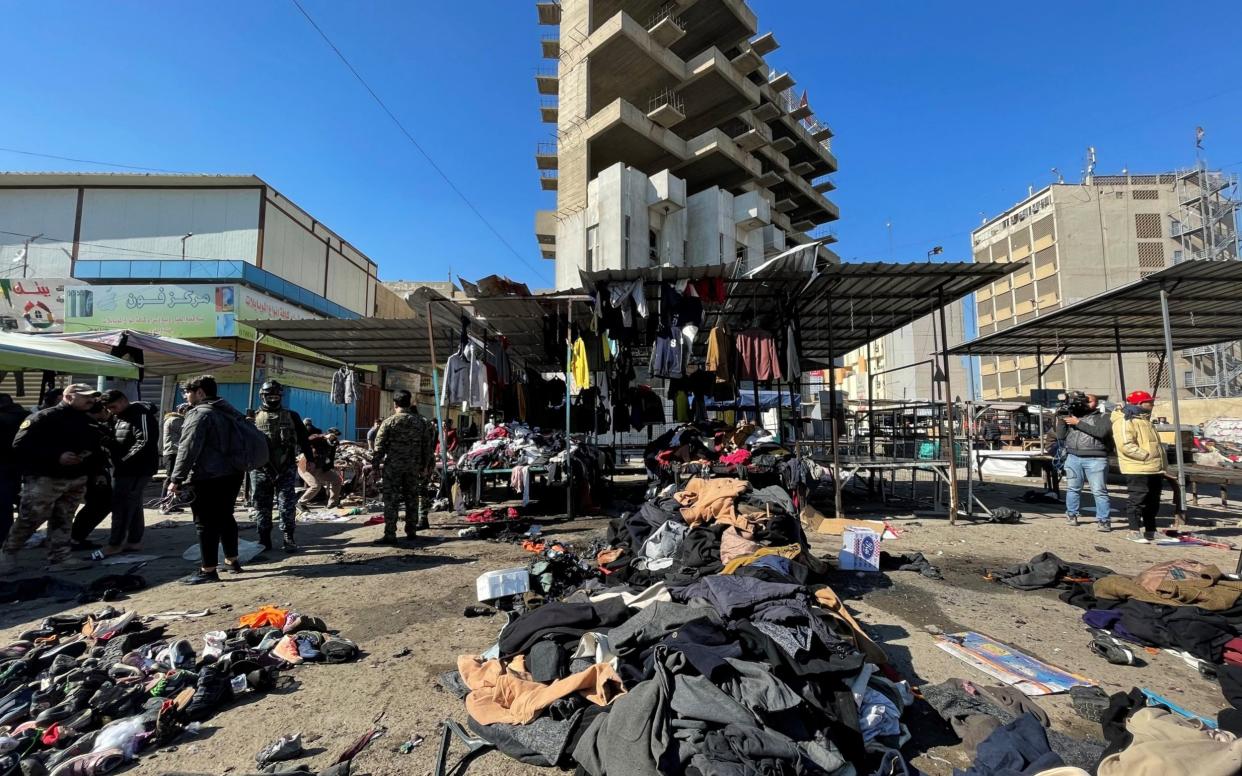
(1073, 403)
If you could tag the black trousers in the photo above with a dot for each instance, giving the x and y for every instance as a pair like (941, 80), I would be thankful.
(212, 508)
(1144, 491)
(95, 507)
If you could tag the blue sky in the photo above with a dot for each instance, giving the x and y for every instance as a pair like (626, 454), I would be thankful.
(942, 111)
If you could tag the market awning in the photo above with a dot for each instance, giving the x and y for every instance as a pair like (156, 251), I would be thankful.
(841, 307)
(36, 352)
(1204, 309)
(399, 343)
(160, 355)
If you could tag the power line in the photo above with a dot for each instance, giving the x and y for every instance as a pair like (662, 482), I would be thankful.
(49, 238)
(414, 142)
(86, 161)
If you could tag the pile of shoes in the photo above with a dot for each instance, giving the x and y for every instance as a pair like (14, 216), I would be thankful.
(85, 693)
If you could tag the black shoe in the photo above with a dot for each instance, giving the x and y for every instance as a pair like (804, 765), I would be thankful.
(290, 546)
(201, 577)
(388, 540)
(212, 689)
(265, 539)
(233, 566)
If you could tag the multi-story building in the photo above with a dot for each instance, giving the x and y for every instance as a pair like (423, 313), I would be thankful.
(1084, 238)
(675, 141)
(905, 365)
(187, 256)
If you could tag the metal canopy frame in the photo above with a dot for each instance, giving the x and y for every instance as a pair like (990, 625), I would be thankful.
(1195, 303)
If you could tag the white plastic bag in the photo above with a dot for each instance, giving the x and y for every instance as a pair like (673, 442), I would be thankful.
(122, 734)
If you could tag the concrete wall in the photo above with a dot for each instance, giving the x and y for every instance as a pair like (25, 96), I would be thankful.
(138, 224)
(50, 212)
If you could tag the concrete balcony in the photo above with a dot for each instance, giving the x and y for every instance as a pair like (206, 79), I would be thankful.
(748, 61)
(824, 234)
(621, 132)
(810, 203)
(748, 132)
(545, 156)
(786, 206)
(547, 81)
(667, 109)
(781, 82)
(549, 11)
(714, 92)
(824, 185)
(764, 44)
(551, 46)
(666, 27)
(767, 111)
(549, 110)
(721, 23)
(751, 211)
(545, 232)
(668, 193)
(802, 168)
(547, 180)
(774, 160)
(714, 159)
(626, 62)
(783, 144)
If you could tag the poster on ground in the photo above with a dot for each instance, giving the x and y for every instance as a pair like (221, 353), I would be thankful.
(1013, 667)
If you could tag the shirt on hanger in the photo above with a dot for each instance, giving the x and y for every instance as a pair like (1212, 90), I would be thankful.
(757, 356)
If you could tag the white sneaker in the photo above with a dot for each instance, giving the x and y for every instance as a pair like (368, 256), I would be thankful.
(1137, 537)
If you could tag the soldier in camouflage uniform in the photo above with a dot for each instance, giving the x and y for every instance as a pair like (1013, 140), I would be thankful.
(55, 448)
(273, 483)
(403, 445)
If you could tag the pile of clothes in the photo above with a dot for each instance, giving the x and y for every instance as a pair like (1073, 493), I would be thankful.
(525, 451)
(1181, 605)
(509, 445)
(85, 693)
(713, 448)
(705, 643)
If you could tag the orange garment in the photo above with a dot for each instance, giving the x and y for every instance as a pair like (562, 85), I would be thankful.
(266, 616)
(828, 599)
(790, 551)
(706, 500)
(510, 695)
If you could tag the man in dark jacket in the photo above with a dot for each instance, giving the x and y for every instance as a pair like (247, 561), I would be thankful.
(97, 504)
(136, 440)
(287, 437)
(54, 448)
(11, 416)
(1087, 439)
(205, 461)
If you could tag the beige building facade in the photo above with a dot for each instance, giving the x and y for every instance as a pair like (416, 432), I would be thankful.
(902, 366)
(1078, 240)
(673, 140)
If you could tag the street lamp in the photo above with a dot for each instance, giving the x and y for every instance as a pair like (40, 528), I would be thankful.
(939, 249)
(188, 235)
(26, 252)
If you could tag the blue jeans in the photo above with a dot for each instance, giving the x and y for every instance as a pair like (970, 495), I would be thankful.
(1094, 471)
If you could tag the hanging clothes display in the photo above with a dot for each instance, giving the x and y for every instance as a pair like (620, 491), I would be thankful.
(720, 354)
(757, 357)
(579, 367)
(793, 366)
(344, 386)
(465, 380)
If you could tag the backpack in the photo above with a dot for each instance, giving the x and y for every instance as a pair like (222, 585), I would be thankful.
(248, 445)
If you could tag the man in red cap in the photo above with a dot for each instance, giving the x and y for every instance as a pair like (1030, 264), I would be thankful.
(1141, 457)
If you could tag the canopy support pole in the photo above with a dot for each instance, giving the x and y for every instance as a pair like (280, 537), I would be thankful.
(1039, 384)
(254, 368)
(569, 462)
(435, 400)
(948, 405)
(1121, 370)
(1179, 506)
(832, 410)
(870, 401)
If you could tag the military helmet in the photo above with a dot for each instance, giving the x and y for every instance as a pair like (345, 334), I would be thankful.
(272, 386)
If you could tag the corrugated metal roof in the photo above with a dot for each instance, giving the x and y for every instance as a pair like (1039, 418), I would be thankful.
(1205, 308)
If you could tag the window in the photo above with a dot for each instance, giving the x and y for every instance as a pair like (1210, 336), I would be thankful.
(592, 244)
(626, 261)
(1177, 257)
(653, 246)
(1188, 377)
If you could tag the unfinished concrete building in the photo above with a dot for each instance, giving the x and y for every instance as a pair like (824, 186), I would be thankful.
(675, 141)
(1085, 238)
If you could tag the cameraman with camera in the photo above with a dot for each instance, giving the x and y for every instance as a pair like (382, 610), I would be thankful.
(1088, 437)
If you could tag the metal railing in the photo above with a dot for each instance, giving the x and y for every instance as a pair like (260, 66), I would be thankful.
(667, 97)
(667, 12)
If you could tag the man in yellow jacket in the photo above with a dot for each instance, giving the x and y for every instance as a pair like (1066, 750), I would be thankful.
(1141, 458)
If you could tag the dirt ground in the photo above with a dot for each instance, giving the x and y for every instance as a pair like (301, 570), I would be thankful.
(404, 608)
